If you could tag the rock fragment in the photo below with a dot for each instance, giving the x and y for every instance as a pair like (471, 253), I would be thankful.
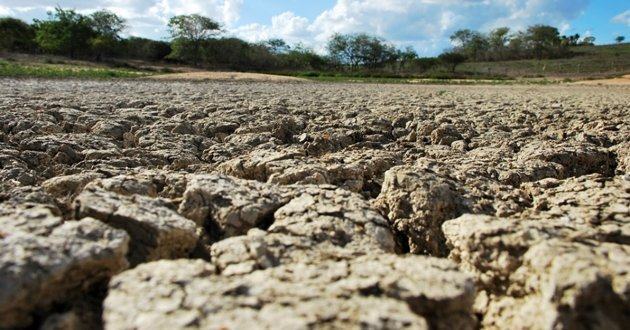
(319, 224)
(156, 231)
(386, 291)
(417, 202)
(564, 272)
(228, 206)
(38, 271)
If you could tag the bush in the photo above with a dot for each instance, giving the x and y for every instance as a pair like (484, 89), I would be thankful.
(65, 32)
(452, 59)
(16, 35)
(145, 49)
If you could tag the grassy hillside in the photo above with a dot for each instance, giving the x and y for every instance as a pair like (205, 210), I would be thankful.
(48, 66)
(588, 62)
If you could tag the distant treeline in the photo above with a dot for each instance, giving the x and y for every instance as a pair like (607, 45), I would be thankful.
(196, 40)
(537, 42)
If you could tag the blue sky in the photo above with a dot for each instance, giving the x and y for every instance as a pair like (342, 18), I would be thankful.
(597, 19)
(423, 24)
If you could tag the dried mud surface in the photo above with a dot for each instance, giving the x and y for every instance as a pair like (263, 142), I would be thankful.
(147, 204)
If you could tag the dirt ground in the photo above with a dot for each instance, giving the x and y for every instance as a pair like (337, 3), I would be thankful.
(142, 204)
(623, 81)
(226, 76)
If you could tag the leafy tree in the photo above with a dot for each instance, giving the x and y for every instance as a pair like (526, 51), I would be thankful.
(406, 56)
(16, 35)
(588, 41)
(478, 47)
(452, 59)
(107, 27)
(372, 52)
(360, 50)
(570, 40)
(620, 39)
(544, 40)
(471, 43)
(189, 32)
(498, 38)
(340, 50)
(424, 64)
(64, 32)
(106, 23)
(145, 49)
(497, 41)
(462, 37)
(301, 57)
(277, 46)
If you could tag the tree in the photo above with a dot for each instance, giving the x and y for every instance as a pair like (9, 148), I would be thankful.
(64, 32)
(570, 40)
(106, 23)
(498, 38)
(144, 49)
(517, 46)
(340, 50)
(452, 59)
(301, 57)
(462, 37)
(188, 33)
(497, 42)
(16, 35)
(588, 41)
(107, 27)
(360, 50)
(471, 43)
(424, 64)
(544, 40)
(406, 56)
(620, 39)
(277, 46)
(372, 52)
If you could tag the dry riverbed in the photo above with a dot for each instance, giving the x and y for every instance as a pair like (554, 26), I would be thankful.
(234, 205)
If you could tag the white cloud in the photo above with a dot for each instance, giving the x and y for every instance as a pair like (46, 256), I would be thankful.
(146, 18)
(5, 11)
(231, 11)
(288, 26)
(623, 18)
(424, 24)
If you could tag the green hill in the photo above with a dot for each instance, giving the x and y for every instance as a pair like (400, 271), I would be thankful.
(587, 62)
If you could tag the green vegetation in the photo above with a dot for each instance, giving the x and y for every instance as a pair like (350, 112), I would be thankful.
(453, 59)
(65, 32)
(538, 51)
(587, 61)
(537, 42)
(14, 69)
(16, 35)
(189, 32)
(361, 50)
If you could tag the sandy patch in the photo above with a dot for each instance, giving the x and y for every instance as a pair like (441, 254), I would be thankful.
(624, 80)
(237, 76)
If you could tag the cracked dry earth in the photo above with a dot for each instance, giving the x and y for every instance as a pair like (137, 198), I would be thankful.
(144, 205)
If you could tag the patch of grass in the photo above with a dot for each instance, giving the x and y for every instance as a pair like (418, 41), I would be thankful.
(432, 77)
(421, 81)
(11, 69)
(588, 61)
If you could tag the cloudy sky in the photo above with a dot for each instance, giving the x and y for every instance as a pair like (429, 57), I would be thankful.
(423, 24)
